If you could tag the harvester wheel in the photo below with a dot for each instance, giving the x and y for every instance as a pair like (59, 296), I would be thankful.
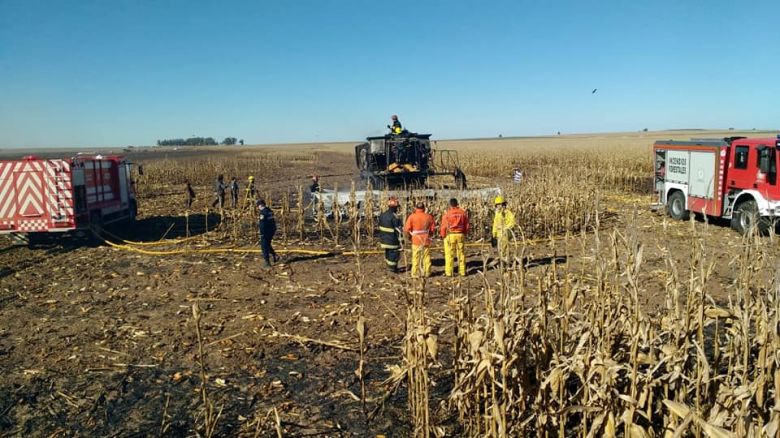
(676, 206)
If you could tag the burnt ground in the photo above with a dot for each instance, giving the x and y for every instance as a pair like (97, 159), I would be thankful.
(100, 341)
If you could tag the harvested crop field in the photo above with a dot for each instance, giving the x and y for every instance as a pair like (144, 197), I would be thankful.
(610, 319)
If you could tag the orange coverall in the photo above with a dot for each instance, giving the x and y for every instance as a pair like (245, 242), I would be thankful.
(454, 227)
(420, 225)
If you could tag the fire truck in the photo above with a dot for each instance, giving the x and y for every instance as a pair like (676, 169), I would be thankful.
(41, 196)
(731, 178)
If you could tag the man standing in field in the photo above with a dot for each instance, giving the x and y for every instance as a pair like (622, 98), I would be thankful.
(420, 225)
(389, 227)
(219, 192)
(233, 192)
(266, 225)
(190, 193)
(453, 229)
(503, 222)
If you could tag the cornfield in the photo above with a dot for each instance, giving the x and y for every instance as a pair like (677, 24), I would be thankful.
(568, 349)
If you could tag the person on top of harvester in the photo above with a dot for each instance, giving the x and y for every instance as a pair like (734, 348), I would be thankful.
(390, 226)
(396, 128)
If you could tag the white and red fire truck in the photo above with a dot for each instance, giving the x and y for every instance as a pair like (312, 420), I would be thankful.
(45, 196)
(732, 178)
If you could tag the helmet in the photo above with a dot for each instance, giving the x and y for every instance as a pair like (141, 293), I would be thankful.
(394, 117)
(392, 201)
(500, 200)
(251, 178)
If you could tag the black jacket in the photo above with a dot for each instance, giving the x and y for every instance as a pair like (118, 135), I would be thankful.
(266, 223)
(389, 223)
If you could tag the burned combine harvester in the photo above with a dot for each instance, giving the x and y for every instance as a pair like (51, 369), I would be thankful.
(405, 160)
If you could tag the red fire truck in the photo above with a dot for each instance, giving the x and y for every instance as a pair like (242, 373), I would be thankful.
(45, 196)
(733, 178)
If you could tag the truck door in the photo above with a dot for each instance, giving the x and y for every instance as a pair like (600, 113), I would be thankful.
(742, 167)
(766, 162)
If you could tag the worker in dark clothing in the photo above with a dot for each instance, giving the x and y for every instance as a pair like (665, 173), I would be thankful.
(389, 230)
(219, 192)
(190, 195)
(315, 190)
(266, 225)
(396, 128)
(233, 192)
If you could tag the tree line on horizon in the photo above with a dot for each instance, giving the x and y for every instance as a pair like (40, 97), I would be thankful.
(199, 141)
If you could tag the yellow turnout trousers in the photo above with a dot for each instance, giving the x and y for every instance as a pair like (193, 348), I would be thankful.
(454, 243)
(504, 243)
(421, 258)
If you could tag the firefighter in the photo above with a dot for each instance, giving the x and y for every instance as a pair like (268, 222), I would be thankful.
(250, 191)
(453, 229)
(396, 128)
(233, 192)
(190, 193)
(503, 222)
(266, 225)
(420, 226)
(219, 192)
(389, 227)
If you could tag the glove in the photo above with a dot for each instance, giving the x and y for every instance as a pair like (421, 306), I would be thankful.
(493, 242)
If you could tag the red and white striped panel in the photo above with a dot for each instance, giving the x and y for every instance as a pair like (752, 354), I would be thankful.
(7, 191)
(24, 195)
(29, 188)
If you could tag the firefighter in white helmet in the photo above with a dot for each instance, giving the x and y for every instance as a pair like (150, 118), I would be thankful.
(503, 222)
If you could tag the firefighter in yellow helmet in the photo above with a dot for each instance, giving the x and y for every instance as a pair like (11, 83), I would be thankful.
(250, 192)
(503, 222)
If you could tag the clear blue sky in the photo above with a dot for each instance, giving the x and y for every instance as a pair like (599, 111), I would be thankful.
(117, 72)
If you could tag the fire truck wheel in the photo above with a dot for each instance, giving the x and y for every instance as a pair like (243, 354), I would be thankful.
(676, 206)
(746, 217)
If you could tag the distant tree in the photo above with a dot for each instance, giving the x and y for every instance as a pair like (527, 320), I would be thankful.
(241, 142)
(229, 141)
(644, 130)
(192, 141)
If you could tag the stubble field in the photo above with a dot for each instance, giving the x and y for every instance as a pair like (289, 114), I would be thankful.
(610, 320)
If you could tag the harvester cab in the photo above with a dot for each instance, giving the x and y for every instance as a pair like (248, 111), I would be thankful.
(405, 160)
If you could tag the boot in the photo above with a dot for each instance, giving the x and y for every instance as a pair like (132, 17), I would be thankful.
(266, 264)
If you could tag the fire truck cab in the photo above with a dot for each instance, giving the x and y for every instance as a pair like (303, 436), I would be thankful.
(40, 196)
(733, 178)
